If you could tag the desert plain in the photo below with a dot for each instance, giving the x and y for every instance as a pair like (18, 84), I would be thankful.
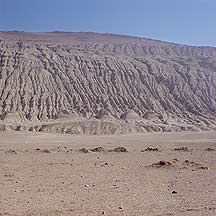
(160, 174)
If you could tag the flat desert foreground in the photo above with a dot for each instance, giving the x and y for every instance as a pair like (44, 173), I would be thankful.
(159, 174)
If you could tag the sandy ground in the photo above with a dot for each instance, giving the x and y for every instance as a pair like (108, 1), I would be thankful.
(65, 181)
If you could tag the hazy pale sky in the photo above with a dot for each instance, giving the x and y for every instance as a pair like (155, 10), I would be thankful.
(183, 21)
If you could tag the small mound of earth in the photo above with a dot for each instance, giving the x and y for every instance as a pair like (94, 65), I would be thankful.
(120, 149)
(130, 116)
(10, 151)
(43, 150)
(165, 164)
(84, 150)
(209, 149)
(150, 149)
(98, 149)
(181, 149)
(194, 165)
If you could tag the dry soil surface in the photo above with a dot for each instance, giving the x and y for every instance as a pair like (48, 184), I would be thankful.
(47, 174)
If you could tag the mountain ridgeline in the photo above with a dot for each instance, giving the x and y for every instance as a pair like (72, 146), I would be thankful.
(89, 83)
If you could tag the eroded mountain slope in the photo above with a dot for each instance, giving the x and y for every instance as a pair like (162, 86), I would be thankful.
(92, 83)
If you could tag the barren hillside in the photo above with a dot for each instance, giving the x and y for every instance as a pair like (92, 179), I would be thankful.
(88, 83)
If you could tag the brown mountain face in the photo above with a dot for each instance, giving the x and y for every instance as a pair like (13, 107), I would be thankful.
(89, 83)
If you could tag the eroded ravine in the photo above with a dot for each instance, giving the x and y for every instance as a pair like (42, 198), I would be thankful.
(105, 87)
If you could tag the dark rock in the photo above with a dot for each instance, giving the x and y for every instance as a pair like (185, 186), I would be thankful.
(151, 149)
(120, 149)
(182, 149)
(98, 149)
(209, 149)
(84, 150)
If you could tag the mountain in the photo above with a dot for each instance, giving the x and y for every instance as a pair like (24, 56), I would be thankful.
(90, 83)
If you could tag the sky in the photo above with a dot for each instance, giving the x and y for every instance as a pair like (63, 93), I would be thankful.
(182, 21)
